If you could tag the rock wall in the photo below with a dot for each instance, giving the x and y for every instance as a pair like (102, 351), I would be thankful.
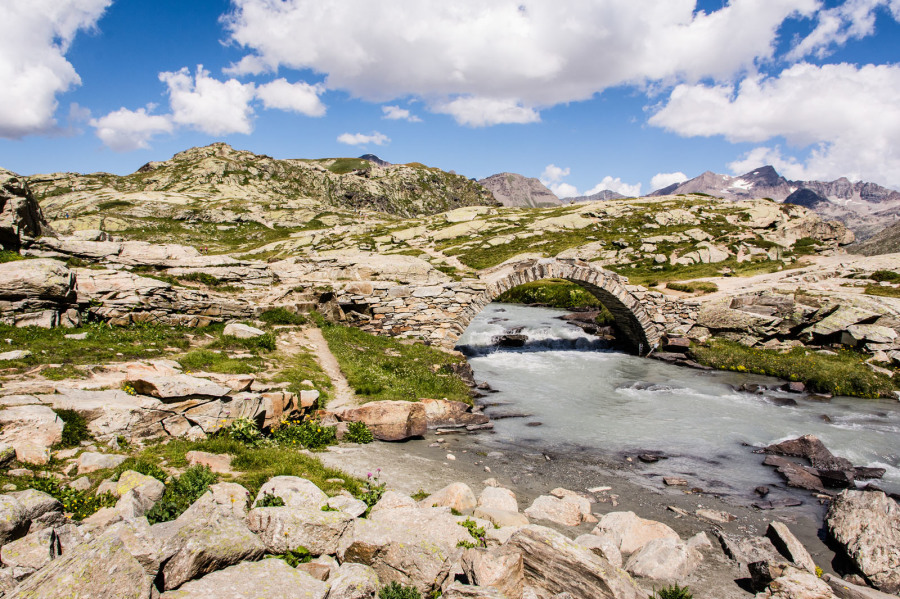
(21, 218)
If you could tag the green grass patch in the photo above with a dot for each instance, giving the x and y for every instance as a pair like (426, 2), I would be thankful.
(281, 316)
(342, 166)
(104, 343)
(66, 371)
(842, 374)
(10, 256)
(80, 504)
(806, 246)
(672, 592)
(381, 368)
(882, 291)
(180, 493)
(693, 286)
(205, 360)
(112, 204)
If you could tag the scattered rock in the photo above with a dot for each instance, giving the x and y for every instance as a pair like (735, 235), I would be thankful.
(90, 461)
(630, 532)
(559, 511)
(811, 448)
(498, 498)
(217, 462)
(242, 331)
(456, 496)
(664, 559)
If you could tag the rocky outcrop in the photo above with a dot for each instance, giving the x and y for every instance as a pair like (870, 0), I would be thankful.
(21, 219)
(866, 526)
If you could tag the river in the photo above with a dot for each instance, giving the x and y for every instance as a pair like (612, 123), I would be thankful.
(609, 403)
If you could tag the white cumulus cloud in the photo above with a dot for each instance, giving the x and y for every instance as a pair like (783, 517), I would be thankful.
(395, 113)
(295, 97)
(361, 139)
(209, 105)
(125, 130)
(847, 117)
(854, 19)
(661, 180)
(502, 61)
(33, 68)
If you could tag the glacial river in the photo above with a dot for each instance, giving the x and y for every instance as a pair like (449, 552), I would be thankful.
(588, 399)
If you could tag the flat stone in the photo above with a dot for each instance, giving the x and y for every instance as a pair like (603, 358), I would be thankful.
(217, 462)
(90, 461)
(242, 331)
(270, 578)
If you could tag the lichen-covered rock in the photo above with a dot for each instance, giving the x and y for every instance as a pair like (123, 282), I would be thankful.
(27, 427)
(348, 505)
(270, 578)
(411, 546)
(203, 540)
(392, 500)
(90, 461)
(102, 567)
(282, 529)
(35, 550)
(36, 279)
(866, 525)
(295, 491)
(354, 581)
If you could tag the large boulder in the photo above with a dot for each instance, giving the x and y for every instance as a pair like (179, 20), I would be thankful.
(91, 461)
(602, 546)
(790, 546)
(242, 331)
(498, 498)
(866, 525)
(14, 519)
(812, 449)
(354, 581)
(33, 551)
(442, 413)
(558, 511)
(411, 546)
(501, 568)
(555, 564)
(282, 529)
(389, 420)
(31, 430)
(630, 532)
(664, 559)
(270, 578)
(295, 491)
(457, 496)
(43, 278)
(102, 567)
(797, 584)
(202, 540)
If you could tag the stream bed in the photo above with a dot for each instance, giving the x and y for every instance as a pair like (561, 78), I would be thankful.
(563, 393)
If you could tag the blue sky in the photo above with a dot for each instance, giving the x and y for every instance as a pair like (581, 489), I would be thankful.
(627, 95)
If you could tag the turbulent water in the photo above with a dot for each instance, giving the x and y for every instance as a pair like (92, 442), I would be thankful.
(591, 399)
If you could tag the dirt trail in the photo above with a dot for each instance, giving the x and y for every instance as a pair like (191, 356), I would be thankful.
(311, 338)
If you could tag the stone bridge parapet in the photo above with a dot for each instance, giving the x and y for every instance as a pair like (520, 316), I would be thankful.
(439, 313)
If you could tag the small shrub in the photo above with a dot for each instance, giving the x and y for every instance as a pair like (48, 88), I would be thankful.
(281, 316)
(269, 500)
(295, 557)
(80, 504)
(310, 434)
(10, 256)
(885, 275)
(202, 277)
(244, 430)
(396, 591)
(75, 428)
(475, 531)
(672, 592)
(420, 495)
(181, 493)
(358, 432)
(882, 291)
(372, 490)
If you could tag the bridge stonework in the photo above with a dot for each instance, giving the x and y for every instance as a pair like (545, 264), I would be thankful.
(440, 313)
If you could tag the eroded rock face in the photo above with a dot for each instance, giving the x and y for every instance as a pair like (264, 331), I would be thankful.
(555, 564)
(389, 420)
(20, 215)
(866, 524)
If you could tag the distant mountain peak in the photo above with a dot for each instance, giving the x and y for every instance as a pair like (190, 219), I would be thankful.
(512, 189)
(375, 159)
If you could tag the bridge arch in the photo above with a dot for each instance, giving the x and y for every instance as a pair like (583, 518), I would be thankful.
(633, 320)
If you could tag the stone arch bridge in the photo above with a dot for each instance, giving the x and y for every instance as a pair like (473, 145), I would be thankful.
(440, 313)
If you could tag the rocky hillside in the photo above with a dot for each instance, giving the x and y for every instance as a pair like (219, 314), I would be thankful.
(864, 207)
(515, 190)
(217, 183)
(600, 196)
(886, 241)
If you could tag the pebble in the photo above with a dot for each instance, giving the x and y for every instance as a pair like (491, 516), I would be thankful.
(599, 489)
(673, 481)
(451, 457)
(9, 487)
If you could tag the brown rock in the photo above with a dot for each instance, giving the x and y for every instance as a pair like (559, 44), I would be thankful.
(389, 420)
